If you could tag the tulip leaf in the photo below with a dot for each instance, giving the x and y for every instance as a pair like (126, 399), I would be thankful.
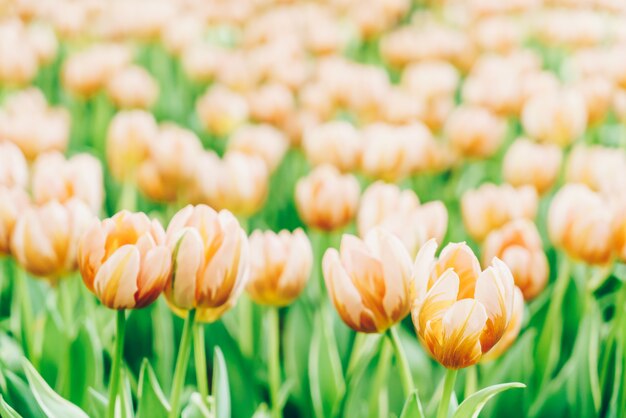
(21, 397)
(54, 349)
(97, 404)
(152, 402)
(471, 407)
(221, 390)
(50, 402)
(196, 408)
(262, 412)
(412, 407)
(325, 373)
(163, 335)
(6, 410)
(296, 340)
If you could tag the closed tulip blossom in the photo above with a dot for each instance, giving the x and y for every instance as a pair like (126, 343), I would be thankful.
(55, 178)
(519, 245)
(263, 141)
(459, 311)
(221, 110)
(400, 212)
(581, 222)
(529, 163)
(368, 280)
(326, 199)
(280, 265)
(45, 238)
(124, 260)
(475, 132)
(210, 253)
(13, 202)
(337, 143)
(600, 168)
(133, 88)
(489, 207)
(13, 166)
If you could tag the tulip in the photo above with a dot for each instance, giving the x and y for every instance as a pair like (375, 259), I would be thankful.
(13, 202)
(200, 61)
(597, 93)
(580, 222)
(600, 168)
(124, 260)
(45, 238)
(519, 245)
(326, 199)
(529, 163)
(337, 143)
(271, 103)
(459, 311)
(280, 265)
(512, 330)
(368, 280)
(55, 178)
(13, 167)
(133, 87)
(128, 140)
(263, 141)
(475, 132)
(18, 58)
(221, 110)
(489, 207)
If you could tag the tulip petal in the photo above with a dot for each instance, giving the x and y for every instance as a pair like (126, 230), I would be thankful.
(461, 258)
(187, 256)
(462, 325)
(116, 281)
(421, 270)
(439, 298)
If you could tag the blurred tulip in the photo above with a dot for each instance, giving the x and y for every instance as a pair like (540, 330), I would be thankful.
(129, 137)
(271, 103)
(221, 110)
(124, 260)
(18, 58)
(580, 222)
(44, 42)
(489, 207)
(498, 34)
(600, 168)
(512, 330)
(519, 245)
(280, 266)
(555, 117)
(337, 143)
(55, 178)
(13, 167)
(181, 32)
(475, 132)
(45, 238)
(326, 199)
(133, 88)
(368, 281)
(13, 202)
(459, 312)
(200, 61)
(262, 141)
(529, 163)
(597, 92)
(210, 253)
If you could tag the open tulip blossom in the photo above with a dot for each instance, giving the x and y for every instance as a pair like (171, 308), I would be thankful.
(313, 209)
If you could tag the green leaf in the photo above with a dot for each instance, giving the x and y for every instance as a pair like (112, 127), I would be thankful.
(163, 335)
(296, 341)
(50, 402)
(126, 398)
(21, 397)
(54, 348)
(325, 373)
(97, 404)
(6, 410)
(221, 390)
(152, 403)
(262, 412)
(196, 408)
(412, 407)
(471, 407)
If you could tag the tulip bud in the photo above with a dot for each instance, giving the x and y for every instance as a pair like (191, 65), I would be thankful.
(599, 168)
(459, 312)
(45, 238)
(529, 163)
(133, 87)
(489, 207)
(280, 265)
(475, 132)
(13, 167)
(519, 245)
(128, 140)
(13, 202)
(271, 103)
(597, 93)
(221, 110)
(124, 260)
(263, 141)
(210, 253)
(512, 330)
(326, 199)
(580, 222)
(55, 178)
(368, 281)
(337, 143)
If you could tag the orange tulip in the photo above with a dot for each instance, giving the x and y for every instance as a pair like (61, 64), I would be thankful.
(529, 163)
(262, 141)
(512, 331)
(600, 168)
(368, 281)
(210, 253)
(337, 143)
(280, 265)
(474, 131)
(133, 88)
(221, 110)
(124, 260)
(459, 312)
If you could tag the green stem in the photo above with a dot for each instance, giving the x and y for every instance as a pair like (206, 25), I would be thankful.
(181, 364)
(403, 365)
(246, 329)
(471, 380)
(128, 197)
(114, 383)
(199, 352)
(26, 313)
(378, 406)
(355, 354)
(448, 388)
(273, 361)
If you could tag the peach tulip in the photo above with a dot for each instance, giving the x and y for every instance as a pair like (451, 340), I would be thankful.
(474, 131)
(529, 163)
(13, 202)
(124, 260)
(221, 110)
(263, 141)
(210, 253)
(13, 166)
(512, 330)
(337, 143)
(133, 88)
(368, 280)
(600, 168)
